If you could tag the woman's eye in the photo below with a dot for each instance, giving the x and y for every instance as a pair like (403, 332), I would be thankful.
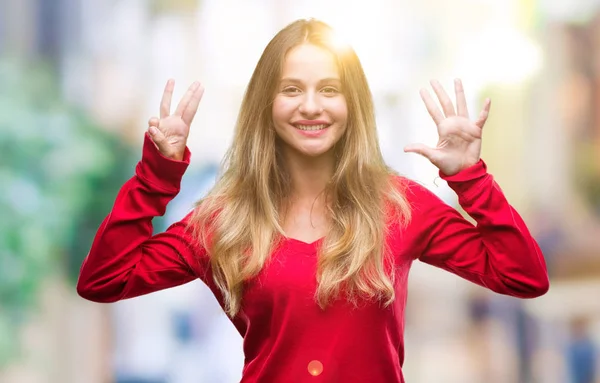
(291, 89)
(329, 89)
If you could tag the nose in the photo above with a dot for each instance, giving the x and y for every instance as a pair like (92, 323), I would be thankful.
(310, 105)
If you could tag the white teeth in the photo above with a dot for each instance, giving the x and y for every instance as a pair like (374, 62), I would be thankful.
(311, 127)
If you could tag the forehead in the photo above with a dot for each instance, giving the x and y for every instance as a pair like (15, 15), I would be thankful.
(309, 61)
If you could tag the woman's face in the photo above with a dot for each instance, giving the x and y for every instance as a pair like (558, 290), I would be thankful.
(309, 109)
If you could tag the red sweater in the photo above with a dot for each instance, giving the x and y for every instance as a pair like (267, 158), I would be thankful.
(287, 337)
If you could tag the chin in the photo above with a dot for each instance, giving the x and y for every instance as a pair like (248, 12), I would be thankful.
(315, 148)
(315, 152)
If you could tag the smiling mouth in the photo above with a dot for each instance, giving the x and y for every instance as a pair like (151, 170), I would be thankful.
(311, 127)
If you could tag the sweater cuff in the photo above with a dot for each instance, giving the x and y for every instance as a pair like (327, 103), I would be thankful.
(159, 170)
(469, 174)
(467, 183)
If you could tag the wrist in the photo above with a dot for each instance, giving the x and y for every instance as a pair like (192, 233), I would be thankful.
(471, 172)
(159, 169)
(173, 156)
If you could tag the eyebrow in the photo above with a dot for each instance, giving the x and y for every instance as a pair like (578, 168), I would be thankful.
(298, 81)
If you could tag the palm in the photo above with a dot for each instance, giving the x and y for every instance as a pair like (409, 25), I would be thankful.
(171, 131)
(174, 129)
(459, 144)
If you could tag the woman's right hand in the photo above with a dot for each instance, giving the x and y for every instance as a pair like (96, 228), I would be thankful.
(170, 131)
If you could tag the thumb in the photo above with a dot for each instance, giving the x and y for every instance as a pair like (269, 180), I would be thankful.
(155, 133)
(153, 121)
(421, 149)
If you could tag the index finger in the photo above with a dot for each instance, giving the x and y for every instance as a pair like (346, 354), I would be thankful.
(165, 102)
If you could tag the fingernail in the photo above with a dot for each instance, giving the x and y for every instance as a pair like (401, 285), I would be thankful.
(152, 130)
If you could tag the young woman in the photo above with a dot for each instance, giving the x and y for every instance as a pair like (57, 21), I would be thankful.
(307, 237)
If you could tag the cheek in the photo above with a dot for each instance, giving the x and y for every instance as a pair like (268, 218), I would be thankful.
(340, 111)
(282, 109)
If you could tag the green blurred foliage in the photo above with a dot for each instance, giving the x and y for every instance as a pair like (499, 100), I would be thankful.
(59, 174)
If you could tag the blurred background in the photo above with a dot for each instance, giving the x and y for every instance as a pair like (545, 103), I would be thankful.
(79, 80)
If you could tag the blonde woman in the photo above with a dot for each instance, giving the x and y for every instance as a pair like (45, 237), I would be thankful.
(307, 238)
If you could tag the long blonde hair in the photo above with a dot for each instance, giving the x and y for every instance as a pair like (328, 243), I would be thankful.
(239, 221)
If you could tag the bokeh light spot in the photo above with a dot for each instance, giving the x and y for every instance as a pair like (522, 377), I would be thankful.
(315, 368)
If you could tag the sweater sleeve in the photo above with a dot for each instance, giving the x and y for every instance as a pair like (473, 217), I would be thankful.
(498, 252)
(126, 259)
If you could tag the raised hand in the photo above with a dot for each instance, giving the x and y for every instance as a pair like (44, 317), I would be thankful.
(170, 131)
(459, 144)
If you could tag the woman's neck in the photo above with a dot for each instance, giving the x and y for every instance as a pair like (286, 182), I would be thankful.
(309, 176)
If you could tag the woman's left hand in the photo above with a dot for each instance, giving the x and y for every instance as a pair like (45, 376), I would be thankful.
(459, 144)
